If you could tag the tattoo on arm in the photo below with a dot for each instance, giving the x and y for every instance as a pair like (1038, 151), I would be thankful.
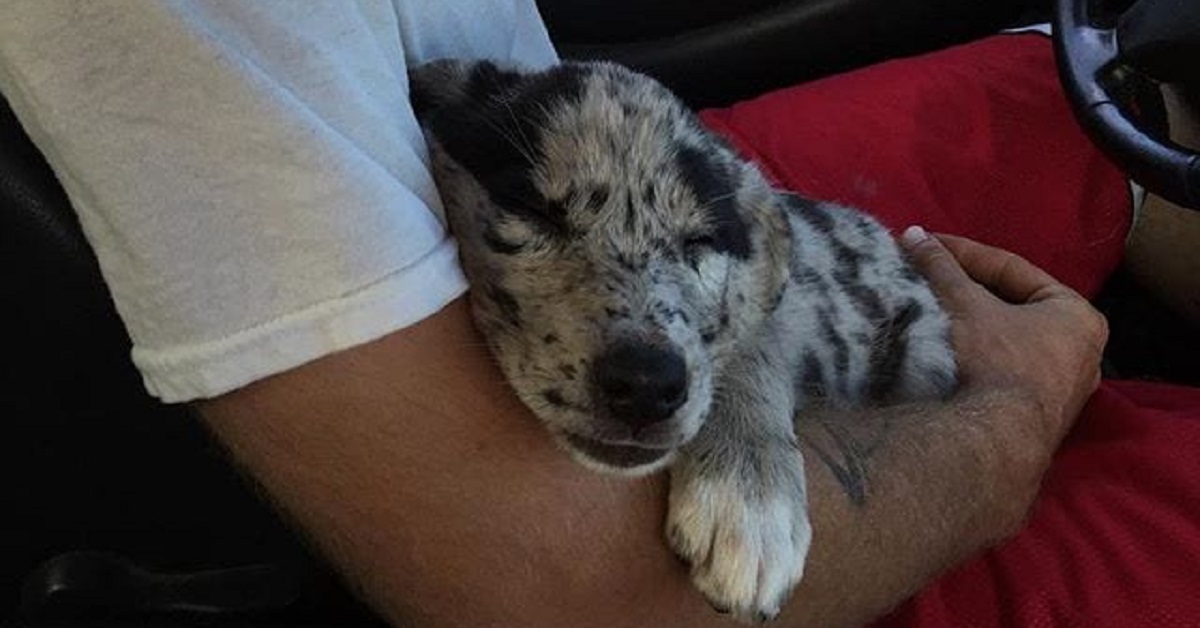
(845, 446)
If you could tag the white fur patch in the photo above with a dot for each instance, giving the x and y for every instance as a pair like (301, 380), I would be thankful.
(745, 554)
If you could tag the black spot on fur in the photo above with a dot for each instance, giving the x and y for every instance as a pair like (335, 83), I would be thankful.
(631, 213)
(866, 227)
(649, 195)
(812, 376)
(867, 302)
(777, 296)
(807, 278)
(841, 349)
(811, 213)
(613, 312)
(554, 398)
(889, 348)
(713, 188)
(550, 339)
(494, 132)
(849, 262)
(632, 264)
(506, 305)
(597, 197)
(803, 275)
(556, 209)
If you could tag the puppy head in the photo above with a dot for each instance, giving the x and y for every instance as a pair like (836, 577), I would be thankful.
(617, 252)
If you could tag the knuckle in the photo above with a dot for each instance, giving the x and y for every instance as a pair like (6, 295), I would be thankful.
(1100, 329)
(931, 253)
(1094, 326)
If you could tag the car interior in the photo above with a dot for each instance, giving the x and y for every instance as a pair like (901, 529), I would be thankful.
(122, 511)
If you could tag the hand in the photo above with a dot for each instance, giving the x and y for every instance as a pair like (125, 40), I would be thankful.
(1013, 325)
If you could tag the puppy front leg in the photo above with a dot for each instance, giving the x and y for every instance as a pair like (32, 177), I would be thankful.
(738, 508)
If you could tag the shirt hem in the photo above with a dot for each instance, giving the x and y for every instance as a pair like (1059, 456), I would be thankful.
(196, 371)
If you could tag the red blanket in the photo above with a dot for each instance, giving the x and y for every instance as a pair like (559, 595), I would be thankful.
(978, 140)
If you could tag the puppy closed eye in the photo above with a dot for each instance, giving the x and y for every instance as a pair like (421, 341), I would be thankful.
(715, 238)
(727, 237)
(512, 234)
(698, 244)
(502, 244)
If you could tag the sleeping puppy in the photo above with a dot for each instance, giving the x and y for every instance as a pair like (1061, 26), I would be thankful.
(658, 305)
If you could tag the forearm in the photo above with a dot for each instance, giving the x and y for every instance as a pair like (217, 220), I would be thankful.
(901, 494)
(415, 470)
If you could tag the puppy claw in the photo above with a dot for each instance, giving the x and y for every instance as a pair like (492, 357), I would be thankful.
(746, 546)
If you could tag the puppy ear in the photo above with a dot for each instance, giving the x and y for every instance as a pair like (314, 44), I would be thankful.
(446, 83)
(766, 209)
(777, 242)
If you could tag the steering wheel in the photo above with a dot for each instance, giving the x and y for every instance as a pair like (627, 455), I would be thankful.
(1099, 55)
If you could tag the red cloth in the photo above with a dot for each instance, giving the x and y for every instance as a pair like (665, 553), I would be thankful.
(978, 140)
(1114, 540)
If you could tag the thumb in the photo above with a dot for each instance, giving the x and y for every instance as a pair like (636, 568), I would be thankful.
(937, 264)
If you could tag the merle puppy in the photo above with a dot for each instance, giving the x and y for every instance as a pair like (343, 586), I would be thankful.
(657, 304)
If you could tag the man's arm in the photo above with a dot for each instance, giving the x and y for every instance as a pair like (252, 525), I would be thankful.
(412, 466)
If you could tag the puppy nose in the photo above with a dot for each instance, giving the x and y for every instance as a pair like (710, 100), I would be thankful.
(641, 384)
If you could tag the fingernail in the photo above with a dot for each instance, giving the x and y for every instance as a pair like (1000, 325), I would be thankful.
(913, 236)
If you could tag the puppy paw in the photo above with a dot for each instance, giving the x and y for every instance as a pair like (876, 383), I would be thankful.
(743, 527)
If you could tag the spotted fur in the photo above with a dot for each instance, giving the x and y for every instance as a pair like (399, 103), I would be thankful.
(594, 214)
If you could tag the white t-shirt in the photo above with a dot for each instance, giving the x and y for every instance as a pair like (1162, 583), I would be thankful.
(250, 173)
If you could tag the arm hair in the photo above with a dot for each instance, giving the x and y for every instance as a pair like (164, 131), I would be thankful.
(413, 467)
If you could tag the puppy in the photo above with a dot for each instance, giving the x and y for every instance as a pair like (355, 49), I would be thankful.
(658, 305)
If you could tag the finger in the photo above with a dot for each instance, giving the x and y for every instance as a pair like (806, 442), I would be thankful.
(1004, 273)
(937, 264)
